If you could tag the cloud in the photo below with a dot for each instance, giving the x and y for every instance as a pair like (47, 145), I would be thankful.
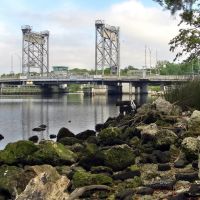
(72, 30)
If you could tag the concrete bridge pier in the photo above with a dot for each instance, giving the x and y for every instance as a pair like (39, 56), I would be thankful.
(114, 89)
(144, 89)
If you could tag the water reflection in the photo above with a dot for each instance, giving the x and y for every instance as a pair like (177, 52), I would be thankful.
(20, 114)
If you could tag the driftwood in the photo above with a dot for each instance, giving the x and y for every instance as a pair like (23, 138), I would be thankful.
(80, 191)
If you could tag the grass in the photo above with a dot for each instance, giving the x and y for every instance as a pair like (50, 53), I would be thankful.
(186, 95)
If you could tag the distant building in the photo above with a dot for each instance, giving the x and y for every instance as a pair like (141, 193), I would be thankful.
(60, 70)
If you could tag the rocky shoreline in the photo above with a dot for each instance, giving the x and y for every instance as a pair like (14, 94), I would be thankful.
(152, 154)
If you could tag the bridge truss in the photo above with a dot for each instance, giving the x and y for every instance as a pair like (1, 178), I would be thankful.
(107, 49)
(35, 52)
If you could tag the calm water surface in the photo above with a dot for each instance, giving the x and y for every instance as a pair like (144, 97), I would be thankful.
(20, 114)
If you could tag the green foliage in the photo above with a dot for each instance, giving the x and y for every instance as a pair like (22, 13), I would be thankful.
(82, 178)
(188, 38)
(185, 95)
(74, 88)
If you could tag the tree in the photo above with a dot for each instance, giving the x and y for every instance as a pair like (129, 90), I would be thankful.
(189, 37)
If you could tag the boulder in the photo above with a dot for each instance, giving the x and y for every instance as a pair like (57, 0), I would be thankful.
(82, 178)
(34, 139)
(144, 191)
(99, 127)
(187, 176)
(17, 152)
(12, 178)
(164, 167)
(110, 136)
(148, 132)
(127, 174)
(53, 136)
(194, 190)
(163, 106)
(64, 132)
(47, 184)
(1, 137)
(38, 129)
(194, 123)
(190, 147)
(118, 157)
(69, 141)
(164, 138)
(161, 184)
(162, 157)
(85, 134)
(181, 161)
(102, 170)
(53, 153)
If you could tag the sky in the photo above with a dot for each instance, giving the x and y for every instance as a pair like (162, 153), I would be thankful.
(72, 30)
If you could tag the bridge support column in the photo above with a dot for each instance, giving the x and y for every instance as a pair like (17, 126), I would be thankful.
(137, 90)
(114, 89)
(144, 89)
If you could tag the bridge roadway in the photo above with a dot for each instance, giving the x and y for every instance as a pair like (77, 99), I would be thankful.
(107, 80)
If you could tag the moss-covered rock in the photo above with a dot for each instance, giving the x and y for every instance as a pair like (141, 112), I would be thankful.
(118, 157)
(194, 123)
(90, 156)
(52, 153)
(82, 178)
(17, 152)
(64, 132)
(110, 136)
(85, 134)
(12, 178)
(69, 141)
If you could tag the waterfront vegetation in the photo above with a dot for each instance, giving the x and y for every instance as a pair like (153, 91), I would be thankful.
(186, 95)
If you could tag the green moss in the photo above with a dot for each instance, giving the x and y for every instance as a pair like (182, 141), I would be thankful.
(82, 178)
(17, 152)
(69, 141)
(53, 153)
(134, 142)
(134, 168)
(118, 157)
(106, 136)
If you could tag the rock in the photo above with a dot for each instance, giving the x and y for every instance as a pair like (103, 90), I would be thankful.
(144, 191)
(195, 164)
(12, 178)
(1, 137)
(82, 178)
(164, 167)
(110, 136)
(161, 184)
(148, 158)
(187, 176)
(69, 141)
(190, 147)
(17, 152)
(181, 161)
(181, 196)
(164, 138)
(53, 136)
(43, 126)
(47, 184)
(194, 123)
(125, 193)
(38, 129)
(90, 156)
(127, 174)
(194, 190)
(34, 139)
(102, 170)
(163, 106)
(99, 127)
(93, 139)
(64, 132)
(53, 153)
(148, 132)
(85, 134)
(118, 157)
(162, 157)
(77, 148)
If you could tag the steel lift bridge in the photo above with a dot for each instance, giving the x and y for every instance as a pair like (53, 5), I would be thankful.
(107, 49)
(35, 51)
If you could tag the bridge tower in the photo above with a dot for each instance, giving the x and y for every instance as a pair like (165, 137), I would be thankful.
(107, 49)
(35, 51)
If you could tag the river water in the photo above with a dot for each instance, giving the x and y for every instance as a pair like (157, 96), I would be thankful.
(20, 114)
